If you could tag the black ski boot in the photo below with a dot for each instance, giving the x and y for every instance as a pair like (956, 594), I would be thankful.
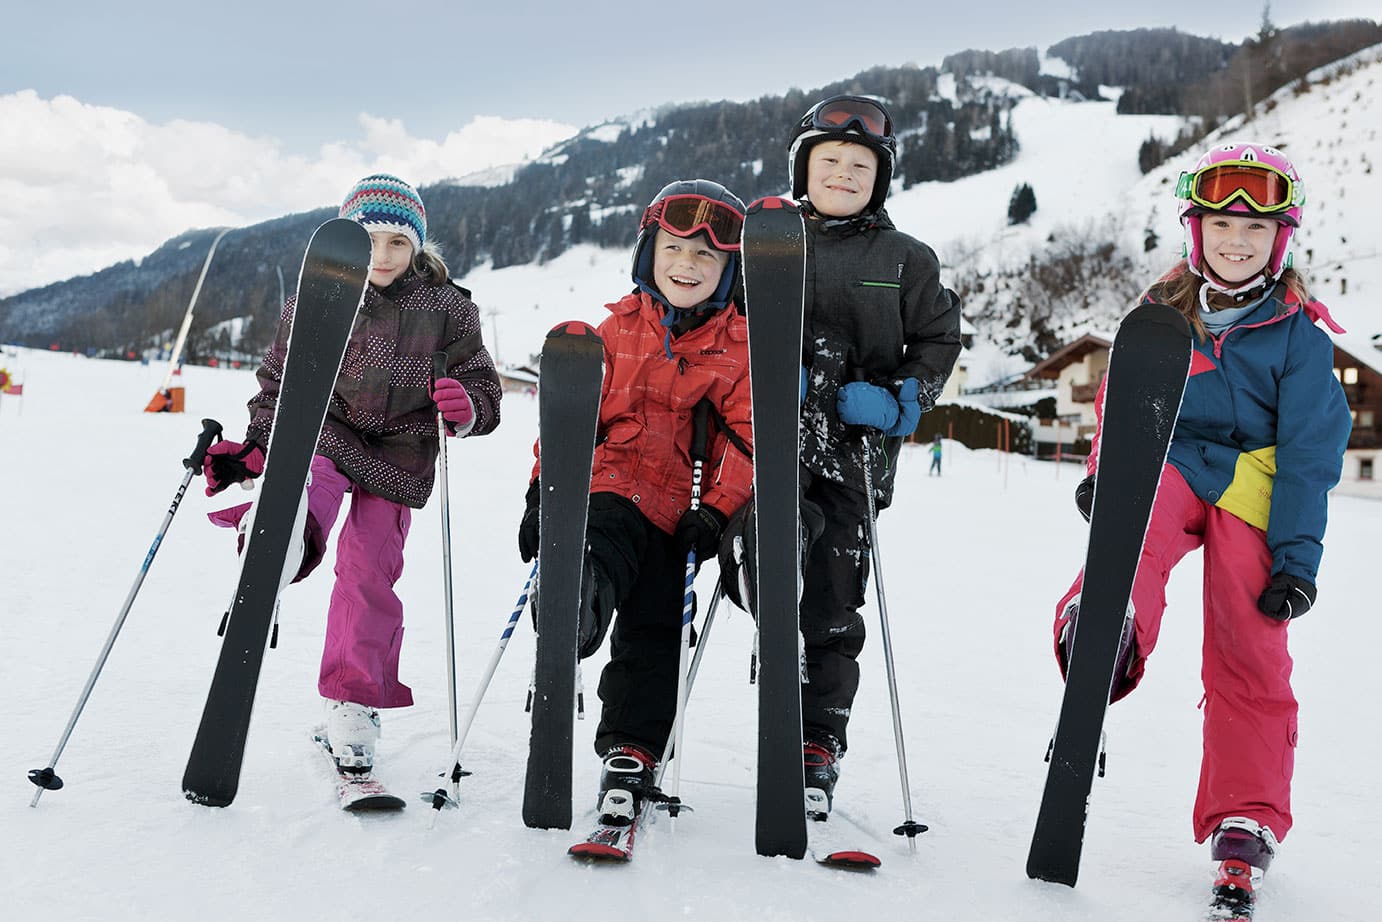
(821, 762)
(625, 782)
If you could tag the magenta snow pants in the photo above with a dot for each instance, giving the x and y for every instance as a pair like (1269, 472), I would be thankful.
(364, 624)
(1249, 708)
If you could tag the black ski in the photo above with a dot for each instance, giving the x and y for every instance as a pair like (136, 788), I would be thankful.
(774, 251)
(331, 287)
(570, 376)
(1146, 379)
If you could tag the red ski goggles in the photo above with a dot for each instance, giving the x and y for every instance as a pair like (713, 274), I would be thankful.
(860, 112)
(1263, 188)
(688, 215)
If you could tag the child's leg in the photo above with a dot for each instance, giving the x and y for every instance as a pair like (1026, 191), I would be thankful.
(1249, 708)
(364, 625)
(325, 493)
(638, 687)
(833, 585)
(1175, 528)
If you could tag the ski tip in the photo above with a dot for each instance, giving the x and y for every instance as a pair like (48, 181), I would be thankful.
(849, 860)
(772, 202)
(594, 851)
(573, 328)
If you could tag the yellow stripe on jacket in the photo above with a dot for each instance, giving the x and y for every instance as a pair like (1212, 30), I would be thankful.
(1249, 495)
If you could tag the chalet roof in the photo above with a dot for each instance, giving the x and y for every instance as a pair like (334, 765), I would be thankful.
(1051, 366)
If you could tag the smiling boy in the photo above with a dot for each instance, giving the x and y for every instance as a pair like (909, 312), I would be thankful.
(880, 338)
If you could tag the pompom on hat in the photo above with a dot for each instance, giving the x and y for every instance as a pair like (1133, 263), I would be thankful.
(386, 203)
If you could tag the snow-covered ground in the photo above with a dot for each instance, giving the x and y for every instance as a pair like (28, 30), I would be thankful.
(974, 563)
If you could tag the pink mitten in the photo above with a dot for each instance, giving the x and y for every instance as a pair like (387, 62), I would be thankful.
(231, 462)
(454, 404)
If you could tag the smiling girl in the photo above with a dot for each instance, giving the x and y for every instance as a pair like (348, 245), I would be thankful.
(1257, 446)
(379, 444)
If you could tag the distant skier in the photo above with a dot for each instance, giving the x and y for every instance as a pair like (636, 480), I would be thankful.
(881, 336)
(936, 449)
(1257, 447)
(379, 443)
(676, 342)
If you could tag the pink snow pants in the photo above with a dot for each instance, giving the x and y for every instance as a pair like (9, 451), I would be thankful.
(364, 624)
(1249, 708)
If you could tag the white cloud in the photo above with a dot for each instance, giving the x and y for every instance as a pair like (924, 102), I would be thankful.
(86, 186)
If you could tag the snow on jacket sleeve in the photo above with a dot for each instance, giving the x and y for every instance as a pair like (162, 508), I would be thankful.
(1313, 425)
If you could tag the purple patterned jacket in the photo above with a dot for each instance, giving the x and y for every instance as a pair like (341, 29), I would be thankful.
(381, 425)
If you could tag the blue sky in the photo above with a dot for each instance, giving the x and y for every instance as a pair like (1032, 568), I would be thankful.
(126, 125)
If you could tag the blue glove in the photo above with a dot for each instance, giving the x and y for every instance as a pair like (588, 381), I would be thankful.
(909, 409)
(862, 404)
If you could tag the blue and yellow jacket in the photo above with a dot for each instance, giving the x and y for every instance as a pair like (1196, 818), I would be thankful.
(1264, 424)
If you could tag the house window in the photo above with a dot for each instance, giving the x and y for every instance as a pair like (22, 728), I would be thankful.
(1366, 419)
(1350, 376)
(1364, 468)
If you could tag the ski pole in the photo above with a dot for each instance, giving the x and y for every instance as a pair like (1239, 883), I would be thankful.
(909, 828)
(701, 639)
(438, 798)
(439, 371)
(45, 778)
(699, 426)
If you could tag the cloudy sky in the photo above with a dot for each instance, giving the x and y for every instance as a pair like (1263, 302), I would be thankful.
(121, 130)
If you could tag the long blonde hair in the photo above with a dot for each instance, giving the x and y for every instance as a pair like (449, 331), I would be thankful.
(427, 262)
(1180, 288)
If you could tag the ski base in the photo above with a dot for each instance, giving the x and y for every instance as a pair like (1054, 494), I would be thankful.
(608, 843)
(358, 792)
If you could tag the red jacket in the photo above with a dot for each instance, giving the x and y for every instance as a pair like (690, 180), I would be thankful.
(643, 443)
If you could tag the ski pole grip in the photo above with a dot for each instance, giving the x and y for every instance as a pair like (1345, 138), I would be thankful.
(438, 366)
(211, 430)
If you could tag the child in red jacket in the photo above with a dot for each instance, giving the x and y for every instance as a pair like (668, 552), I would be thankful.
(673, 344)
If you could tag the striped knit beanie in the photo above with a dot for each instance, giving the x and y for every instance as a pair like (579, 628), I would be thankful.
(386, 203)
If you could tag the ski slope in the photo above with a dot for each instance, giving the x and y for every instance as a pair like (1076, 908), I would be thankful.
(974, 563)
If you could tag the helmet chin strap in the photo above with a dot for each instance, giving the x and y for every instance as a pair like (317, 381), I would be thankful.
(1242, 293)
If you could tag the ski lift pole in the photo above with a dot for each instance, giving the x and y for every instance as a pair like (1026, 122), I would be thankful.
(46, 778)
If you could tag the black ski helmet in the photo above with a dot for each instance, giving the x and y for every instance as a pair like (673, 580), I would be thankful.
(642, 270)
(841, 125)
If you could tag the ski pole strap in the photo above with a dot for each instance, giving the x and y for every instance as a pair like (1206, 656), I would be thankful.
(722, 425)
(211, 431)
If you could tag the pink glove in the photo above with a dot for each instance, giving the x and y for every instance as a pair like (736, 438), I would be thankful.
(231, 462)
(454, 404)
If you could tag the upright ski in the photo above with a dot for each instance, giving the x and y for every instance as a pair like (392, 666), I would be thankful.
(331, 288)
(571, 374)
(1146, 379)
(774, 252)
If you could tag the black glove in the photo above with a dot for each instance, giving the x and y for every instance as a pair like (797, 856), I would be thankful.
(700, 530)
(1286, 597)
(1084, 496)
(528, 528)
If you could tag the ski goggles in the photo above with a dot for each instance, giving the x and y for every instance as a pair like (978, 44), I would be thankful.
(1263, 188)
(842, 113)
(688, 215)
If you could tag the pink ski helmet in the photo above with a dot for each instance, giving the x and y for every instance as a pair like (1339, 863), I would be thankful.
(1242, 178)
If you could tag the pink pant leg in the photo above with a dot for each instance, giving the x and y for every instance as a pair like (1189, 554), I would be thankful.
(1174, 530)
(1249, 710)
(364, 625)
